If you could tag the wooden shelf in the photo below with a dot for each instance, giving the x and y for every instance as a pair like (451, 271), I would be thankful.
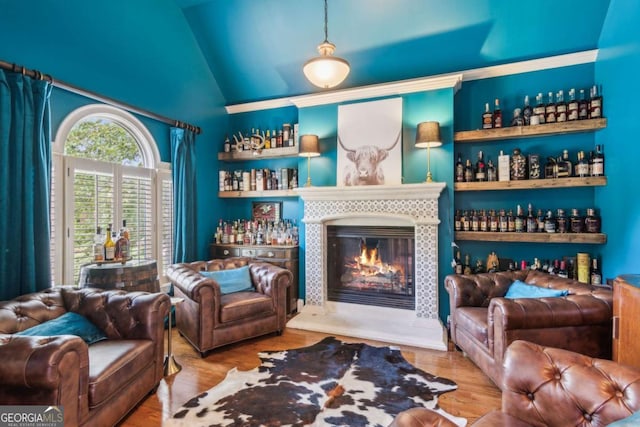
(532, 184)
(249, 194)
(271, 153)
(591, 238)
(529, 131)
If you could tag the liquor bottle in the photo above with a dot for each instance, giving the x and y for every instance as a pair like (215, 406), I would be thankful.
(468, 172)
(466, 221)
(592, 222)
(561, 107)
(493, 221)
(555, 267)
(484, 220)
(539, 110)
(532, 222)
(583, 106)
(274, 141)
(565, 167)
(572, 106)
(279, 139)
(562, 225)
(517, 118)
(595, 104)
(98, 245)
(504, 167)
(497, 115)
(520, 220)
(503, 224)
(487, 118)
(481, 172)
(550, 110)
(576, 222)
(596, 274)
(467, 265)
(475, 221)
(540, 220)
(511, 221)
(458, 220)
(527, 111)
(562, 272)
(227, 144)
(458, 267)
(267, 140)
(123, 251)
(518, 165)
(459, 169)
(491, 172)
(582, 167)
(109, 246)
(597, 163)
(549, 222)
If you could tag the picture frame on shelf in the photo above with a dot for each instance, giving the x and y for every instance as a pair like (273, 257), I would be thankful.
(267, 211)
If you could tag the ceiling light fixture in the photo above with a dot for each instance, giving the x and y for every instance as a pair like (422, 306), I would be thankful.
(326, 70)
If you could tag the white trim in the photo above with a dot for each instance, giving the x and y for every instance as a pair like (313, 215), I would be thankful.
(440, 81)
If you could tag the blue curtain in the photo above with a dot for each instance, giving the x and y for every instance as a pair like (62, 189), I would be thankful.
(183, 172)
(25, 179)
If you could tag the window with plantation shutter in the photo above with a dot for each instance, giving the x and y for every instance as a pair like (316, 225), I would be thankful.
(106, 170)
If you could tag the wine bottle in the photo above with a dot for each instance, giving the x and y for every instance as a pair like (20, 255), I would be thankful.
(480, 173)
(109, 246)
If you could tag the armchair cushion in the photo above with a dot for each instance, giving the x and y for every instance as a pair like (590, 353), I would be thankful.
(68, 324)
(519, 289)
(231, 280)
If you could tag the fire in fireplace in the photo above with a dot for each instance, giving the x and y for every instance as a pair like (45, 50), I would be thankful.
(371, 265)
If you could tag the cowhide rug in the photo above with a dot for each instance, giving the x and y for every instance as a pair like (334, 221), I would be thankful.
(330, 383)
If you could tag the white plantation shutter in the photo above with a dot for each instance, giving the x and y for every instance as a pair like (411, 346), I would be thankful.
(137, 209)
(165, 235)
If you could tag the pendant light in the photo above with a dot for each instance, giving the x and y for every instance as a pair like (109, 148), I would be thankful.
(326, 70)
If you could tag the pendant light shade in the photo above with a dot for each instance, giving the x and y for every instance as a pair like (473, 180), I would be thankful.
(326, 70)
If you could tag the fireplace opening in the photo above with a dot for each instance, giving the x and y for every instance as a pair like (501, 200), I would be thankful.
(371, 265)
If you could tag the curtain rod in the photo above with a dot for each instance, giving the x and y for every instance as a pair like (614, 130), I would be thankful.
(95, 96)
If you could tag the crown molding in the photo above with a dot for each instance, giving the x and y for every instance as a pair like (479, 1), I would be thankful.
(441, 81)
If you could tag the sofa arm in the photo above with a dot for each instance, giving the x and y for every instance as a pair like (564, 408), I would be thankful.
(120, 314)
(477, 290)
(191, 283)
(270, 279)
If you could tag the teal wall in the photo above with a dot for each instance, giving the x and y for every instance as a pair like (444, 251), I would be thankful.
(110, 51)
(617, 66)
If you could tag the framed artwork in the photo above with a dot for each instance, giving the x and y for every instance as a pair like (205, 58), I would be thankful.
(267, 211)
(370, 143)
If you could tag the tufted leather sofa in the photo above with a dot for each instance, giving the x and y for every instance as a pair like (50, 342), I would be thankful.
(97, 385)
(208, 319)
(483, 323)
(550, 387)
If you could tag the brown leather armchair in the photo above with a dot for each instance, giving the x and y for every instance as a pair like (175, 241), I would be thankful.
(550, 387)
(483, 323)
(96, 384)
(209, 319)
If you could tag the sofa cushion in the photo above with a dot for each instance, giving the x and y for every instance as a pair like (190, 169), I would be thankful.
(231, 280)
(69, 323)
(519, 289)
(474, 321)
(240, 305)
(114, 365)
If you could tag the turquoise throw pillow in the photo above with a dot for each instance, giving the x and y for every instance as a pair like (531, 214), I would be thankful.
(519, 289)
(69, 323)
(231, 280)
(632, 420)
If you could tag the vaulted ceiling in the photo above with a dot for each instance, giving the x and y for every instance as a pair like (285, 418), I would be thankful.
(256, 48)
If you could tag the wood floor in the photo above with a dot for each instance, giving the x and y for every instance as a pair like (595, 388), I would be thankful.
(475, 396)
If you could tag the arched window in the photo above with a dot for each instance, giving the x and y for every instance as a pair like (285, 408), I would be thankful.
(107, 170)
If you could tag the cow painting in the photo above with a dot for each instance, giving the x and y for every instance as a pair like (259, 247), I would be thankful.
(365, 167)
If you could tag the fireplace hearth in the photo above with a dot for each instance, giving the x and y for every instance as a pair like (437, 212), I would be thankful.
(376, 207)
(371, 265)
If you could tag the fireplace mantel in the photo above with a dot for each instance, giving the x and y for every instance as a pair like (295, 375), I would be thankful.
(387, 205)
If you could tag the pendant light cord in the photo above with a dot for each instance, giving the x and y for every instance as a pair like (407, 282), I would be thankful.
(326, 30)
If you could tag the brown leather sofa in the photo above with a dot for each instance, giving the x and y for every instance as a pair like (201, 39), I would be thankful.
(97, 384)
(545, 386)
(483, 323)
(209, 319)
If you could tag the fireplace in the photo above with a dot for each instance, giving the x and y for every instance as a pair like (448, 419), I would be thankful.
(410, 208)
(371, 265)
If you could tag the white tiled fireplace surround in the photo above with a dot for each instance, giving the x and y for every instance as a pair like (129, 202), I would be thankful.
(380, 205)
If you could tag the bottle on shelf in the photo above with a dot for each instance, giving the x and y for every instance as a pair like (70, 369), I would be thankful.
(504, 167)
(493, 221)
(517, 120)
(469, 175)
(458, 267)
(480, 172)
(227, 144)
(123, 247)
(503, 224)
(562, 225)
(520, 220)
(540, 218)
(561, 107)
(539, 110)
(595, 103)
(592, 222)
(487, 117)
(549, 222)
(576, 222)
(497, 115)
(457, 220)
(467, 265)
(572, 106)
(582, 167)
(532, 222)
(562, 272)
(475, 221)
(583, 106)
(597, 162)
(98, 245)
(484, 220)
(511, 221)
(518, 165)
(527, 111)
(459, 169)
(550, 109)
(596, 274)
(109, 246)
(267, 140)
(491, 171)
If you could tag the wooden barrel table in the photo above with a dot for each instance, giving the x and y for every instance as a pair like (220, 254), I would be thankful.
(131, 276)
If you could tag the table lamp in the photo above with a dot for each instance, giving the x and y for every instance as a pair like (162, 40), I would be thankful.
(427, 136)
(309, 147)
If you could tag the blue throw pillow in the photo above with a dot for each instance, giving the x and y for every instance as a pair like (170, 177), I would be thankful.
(69, 323)
(231, 280)
(519, 289)
(632, 420)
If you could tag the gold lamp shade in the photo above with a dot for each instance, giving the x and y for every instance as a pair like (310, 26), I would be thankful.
(428, 136)
(309, 147)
